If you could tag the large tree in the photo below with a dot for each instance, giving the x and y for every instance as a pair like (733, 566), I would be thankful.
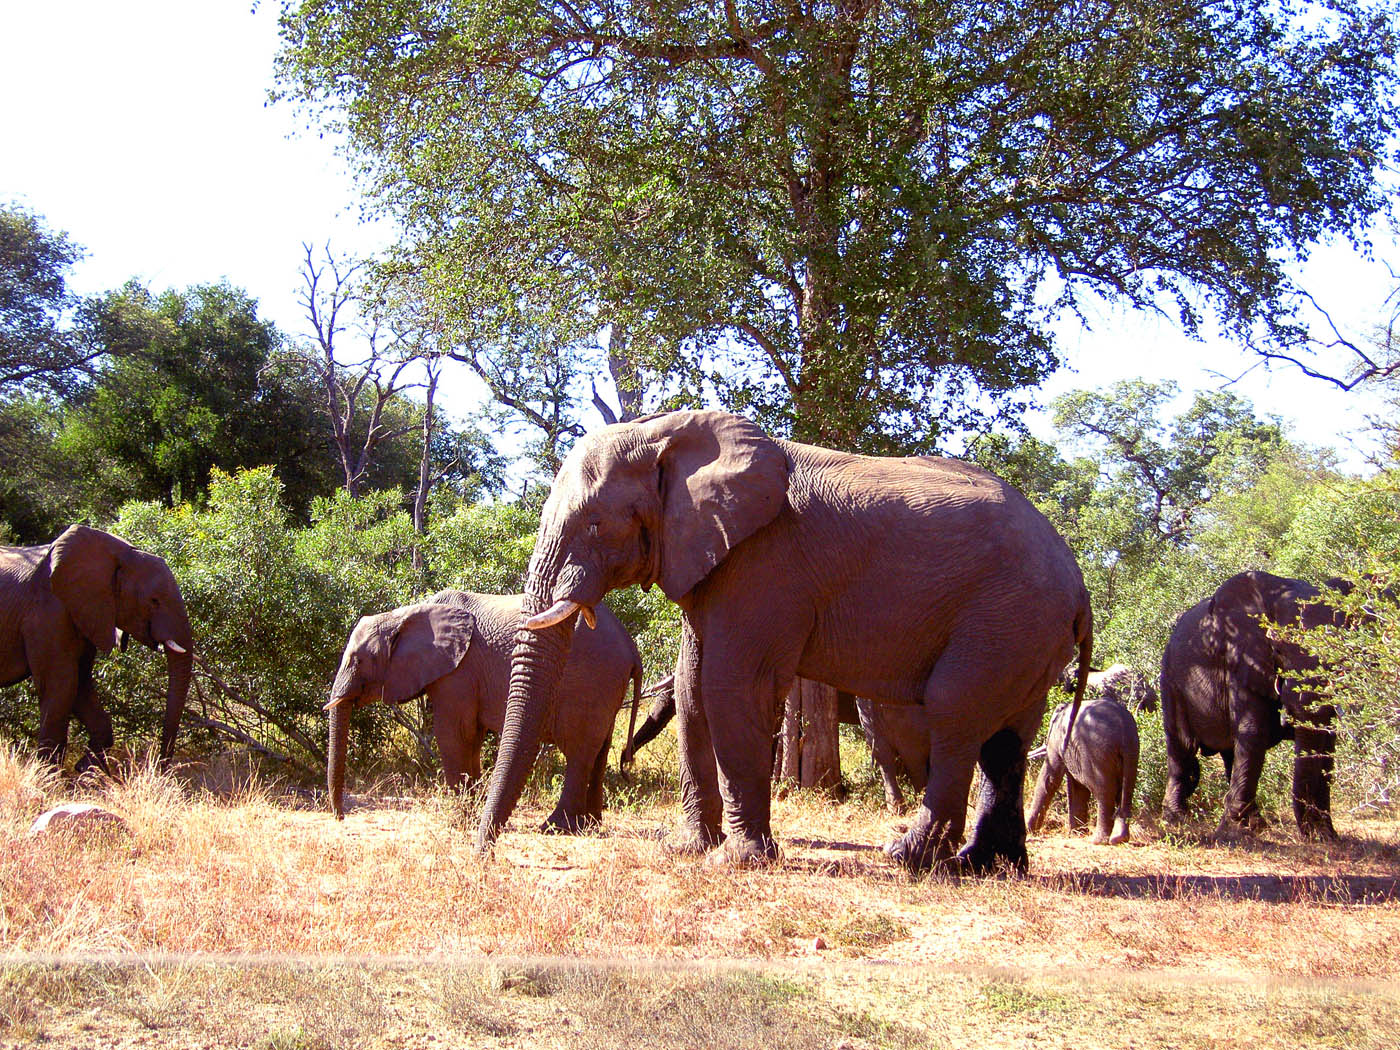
(853, 215)
(39, 345)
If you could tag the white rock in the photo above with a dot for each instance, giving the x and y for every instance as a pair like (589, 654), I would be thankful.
(78, 817)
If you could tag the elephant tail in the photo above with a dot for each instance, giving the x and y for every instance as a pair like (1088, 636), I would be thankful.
(1084, 636)
(624, 760)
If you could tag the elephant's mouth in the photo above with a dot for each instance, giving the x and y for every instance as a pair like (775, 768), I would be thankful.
(559, 612)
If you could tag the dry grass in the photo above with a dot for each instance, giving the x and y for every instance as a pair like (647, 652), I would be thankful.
(243, 875)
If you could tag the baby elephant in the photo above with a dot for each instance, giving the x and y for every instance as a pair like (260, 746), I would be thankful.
(455, 646)
(1102, 759)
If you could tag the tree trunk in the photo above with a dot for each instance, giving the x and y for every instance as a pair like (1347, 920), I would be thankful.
(425, 465)
(809, 752)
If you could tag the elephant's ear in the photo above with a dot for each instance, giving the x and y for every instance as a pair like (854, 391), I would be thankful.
(721, 479)
(429, 642)
(83, 565)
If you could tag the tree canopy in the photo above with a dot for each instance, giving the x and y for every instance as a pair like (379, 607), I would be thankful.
(855, 219)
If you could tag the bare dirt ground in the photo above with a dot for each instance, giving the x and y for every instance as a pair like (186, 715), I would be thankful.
(240, 921)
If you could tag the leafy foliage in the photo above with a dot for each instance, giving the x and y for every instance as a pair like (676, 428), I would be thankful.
(840, 218)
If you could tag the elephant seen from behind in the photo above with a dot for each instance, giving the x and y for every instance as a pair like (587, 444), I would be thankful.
(455, 647)
(1227, 690)
(1099, 759)
(62, 604)
(911, 581)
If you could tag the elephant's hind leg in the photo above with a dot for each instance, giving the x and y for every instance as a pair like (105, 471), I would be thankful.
(999, 834)
(595, 784)
(962, 704)
(571, 814)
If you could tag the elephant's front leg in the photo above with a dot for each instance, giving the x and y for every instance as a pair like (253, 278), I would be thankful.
(740, 712)
(1312, 780)
(56, 682)
(701, 807)
(93, 716)
(1047, 784)
(1077, 803)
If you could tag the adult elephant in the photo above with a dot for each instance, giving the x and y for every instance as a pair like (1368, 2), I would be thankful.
(1225, 689)
(63, 603)
(916, 580)
(455, 646)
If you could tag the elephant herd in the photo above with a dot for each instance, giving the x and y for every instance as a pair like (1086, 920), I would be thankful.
(928, 588)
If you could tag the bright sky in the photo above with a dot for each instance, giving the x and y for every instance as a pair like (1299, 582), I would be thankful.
(142, 130)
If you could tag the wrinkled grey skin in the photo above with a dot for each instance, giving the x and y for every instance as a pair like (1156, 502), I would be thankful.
(63, 603)
(910, 581)
(1100, 760)
(1118, 682)
(455, 647)
(1223, 692)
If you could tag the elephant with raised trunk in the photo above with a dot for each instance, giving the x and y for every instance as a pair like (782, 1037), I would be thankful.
(1226, 690)
(455, 647)
(1100, 760)
(65, 602)
(910, 581)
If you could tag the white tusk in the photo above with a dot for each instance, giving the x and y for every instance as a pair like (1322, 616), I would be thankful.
(116, 637)
(174, 647)
(336, 702)
(556, 613)
(588, 617)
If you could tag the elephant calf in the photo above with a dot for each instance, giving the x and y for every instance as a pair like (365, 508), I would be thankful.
(455, 646)
(1101, 759)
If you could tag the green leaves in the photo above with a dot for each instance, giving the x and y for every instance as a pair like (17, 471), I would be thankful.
(838, 220)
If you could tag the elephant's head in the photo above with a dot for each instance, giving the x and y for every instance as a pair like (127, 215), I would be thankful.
(662, 499)
(113, 591)
(393, 657)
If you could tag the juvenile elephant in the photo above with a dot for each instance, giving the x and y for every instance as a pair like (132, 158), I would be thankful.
(63, 603)
(1224, 691)
(455, 646)
(1100, 759)
(913, 581)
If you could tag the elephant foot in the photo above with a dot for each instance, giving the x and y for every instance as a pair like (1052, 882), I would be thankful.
(1120, 833)
(919, 853)
(1099, 839)
(1318, 830)
(1232, 829)
(974, 860)
(1173, 817)
(91, 763)
(741, 852)
(688, 841)
(559, 823)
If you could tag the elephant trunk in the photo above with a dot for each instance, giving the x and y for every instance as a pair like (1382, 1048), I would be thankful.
(335, 756)
(537, 664)
(179, 666)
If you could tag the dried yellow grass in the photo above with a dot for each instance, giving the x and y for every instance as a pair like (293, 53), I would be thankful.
(246, 874)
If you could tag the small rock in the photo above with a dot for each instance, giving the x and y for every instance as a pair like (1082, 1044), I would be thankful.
(818, 945)
(77, 817)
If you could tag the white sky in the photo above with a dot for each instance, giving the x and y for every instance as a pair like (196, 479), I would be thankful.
(142, 130)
